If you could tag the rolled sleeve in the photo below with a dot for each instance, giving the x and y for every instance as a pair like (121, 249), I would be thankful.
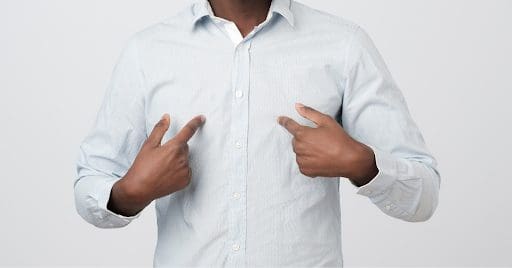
(110, 148)
(113, 218)
(375, 113)
(385, 178)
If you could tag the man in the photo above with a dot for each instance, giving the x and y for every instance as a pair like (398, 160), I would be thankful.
(239, 118)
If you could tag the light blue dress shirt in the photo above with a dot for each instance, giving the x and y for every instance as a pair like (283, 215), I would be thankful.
(248, 204)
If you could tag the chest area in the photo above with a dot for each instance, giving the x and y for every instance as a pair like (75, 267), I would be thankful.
(267, 81)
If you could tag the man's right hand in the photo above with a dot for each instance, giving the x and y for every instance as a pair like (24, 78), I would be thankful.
(158, 170)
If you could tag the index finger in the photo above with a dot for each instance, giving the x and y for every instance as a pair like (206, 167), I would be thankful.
(311, 114)
(190, 129)
(289, 124)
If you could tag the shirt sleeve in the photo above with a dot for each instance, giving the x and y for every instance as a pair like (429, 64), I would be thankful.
(117, 135)
(375, 113)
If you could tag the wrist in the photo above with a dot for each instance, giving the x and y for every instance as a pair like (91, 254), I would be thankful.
(130, 192)
(364, 166)
(126, 199)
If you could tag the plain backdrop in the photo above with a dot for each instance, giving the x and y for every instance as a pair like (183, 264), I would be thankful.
(451, 58)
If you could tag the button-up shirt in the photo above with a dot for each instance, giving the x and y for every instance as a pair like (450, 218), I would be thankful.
(248, 203)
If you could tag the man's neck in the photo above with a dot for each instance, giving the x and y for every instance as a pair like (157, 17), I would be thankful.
(246, 14)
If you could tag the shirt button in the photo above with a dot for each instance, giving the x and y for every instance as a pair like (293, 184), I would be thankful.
(236, 195)
(236, 247)
(239, 94)
(238, 145)
(388, 207)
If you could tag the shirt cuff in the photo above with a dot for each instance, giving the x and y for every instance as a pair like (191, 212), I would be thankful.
(387, 175)
(114, 219)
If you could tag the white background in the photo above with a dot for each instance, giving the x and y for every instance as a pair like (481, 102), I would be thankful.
(451, 58)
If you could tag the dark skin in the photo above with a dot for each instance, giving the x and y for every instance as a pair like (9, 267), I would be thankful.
(246, 14)
(162, 169)
(158, 170)
(327, 150)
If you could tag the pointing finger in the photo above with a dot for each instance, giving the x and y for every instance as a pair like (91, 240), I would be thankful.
(190, 129)
(311, 114)
(158, 132)
(289, 124)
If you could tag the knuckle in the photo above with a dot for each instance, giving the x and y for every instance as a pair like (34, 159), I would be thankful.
(159, 124)
(294, 142)
(297, 146)
(327, 120)
(173, 148)
(182, 162)
(309, 173)
(303, 170)
(299, 161)
(190, 127)
(183, 149)
(181, 184)
(299, 133)
(186, 181)
(178, 148)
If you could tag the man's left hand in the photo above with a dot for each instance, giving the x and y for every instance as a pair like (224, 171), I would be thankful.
(327, 150)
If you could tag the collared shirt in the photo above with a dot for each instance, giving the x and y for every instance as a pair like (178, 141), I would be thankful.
(248, 203)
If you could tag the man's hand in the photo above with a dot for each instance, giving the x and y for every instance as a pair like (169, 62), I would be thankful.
(327, 150)
(158, 170)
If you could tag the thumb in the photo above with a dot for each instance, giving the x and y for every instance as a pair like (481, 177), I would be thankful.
(158, 132)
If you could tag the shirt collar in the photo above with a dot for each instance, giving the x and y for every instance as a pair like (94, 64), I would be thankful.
(201, 9)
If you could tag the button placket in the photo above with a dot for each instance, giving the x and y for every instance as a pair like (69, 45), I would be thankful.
(239, 134)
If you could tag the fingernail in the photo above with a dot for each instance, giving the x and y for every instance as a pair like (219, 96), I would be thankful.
(203, 118)
(299, 105)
